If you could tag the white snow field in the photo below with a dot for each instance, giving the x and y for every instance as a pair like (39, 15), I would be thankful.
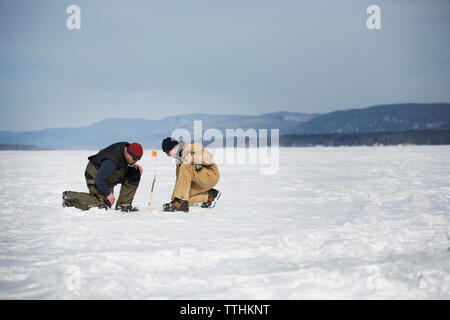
(334, 223)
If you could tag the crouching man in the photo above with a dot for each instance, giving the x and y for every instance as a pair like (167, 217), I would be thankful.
(196, 172)
(109, 167)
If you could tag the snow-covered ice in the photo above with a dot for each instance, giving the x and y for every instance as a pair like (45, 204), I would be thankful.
(347, 222)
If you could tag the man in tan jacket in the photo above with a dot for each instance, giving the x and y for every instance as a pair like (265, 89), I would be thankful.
(196, 172)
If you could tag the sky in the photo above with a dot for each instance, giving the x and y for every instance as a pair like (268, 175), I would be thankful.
(158, 58)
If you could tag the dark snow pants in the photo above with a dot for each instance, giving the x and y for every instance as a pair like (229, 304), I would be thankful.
(128, 177)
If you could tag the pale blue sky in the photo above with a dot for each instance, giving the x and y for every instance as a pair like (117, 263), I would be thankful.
(157, 58)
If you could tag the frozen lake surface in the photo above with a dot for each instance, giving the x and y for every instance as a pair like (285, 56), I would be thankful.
(334, 223)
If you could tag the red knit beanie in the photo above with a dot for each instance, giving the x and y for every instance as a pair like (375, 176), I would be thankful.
(135, 150)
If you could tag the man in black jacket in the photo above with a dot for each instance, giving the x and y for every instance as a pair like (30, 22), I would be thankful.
(109, 167)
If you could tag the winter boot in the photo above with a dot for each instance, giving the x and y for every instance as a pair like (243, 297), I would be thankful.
(213, 196)
(126, 207)
(66, 202)
(176, 205)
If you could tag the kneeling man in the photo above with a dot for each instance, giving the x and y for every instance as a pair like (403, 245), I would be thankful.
(196, 172)
(109, 167)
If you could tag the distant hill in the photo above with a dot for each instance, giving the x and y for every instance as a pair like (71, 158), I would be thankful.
(397, 117)
(383, 118)
(149, 132)
(19, 147)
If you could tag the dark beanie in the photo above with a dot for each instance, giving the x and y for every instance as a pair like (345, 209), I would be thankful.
(168, 144)
(135, 150)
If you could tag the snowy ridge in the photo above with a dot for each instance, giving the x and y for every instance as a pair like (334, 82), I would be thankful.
(350, 223)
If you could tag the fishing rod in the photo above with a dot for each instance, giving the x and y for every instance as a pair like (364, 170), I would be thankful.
(154, 154)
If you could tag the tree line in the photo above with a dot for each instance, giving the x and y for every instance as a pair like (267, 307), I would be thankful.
(413, 137)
